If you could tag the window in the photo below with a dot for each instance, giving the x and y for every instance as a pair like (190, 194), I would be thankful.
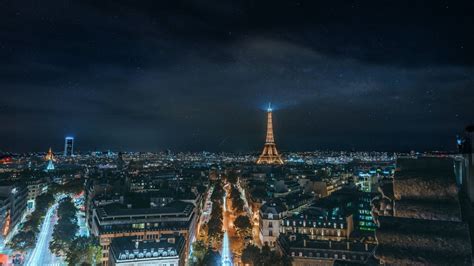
(270, 224)
(138, 226)
(270, 233)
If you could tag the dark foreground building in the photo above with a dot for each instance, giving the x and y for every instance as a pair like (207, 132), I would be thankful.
(419, 216)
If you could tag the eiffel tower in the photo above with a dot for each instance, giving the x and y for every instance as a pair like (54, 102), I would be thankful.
(269, 154)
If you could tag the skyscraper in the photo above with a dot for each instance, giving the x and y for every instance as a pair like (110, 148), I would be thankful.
(69, 146)
(269, 154)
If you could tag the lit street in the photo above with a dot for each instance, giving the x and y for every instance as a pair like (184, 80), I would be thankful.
(41, 254)
(226, 251)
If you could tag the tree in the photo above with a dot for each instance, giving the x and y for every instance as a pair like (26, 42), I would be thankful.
(218, 193)
(23, 241)
(212, 258)
(263, 257)
(199, 251)
(234, 193)
(43, 202)
(84, 250)
(214, 228)
(243, 224)
(232, 177)
(65, 230)
(238, 205)
(31, 225)
(251, 255)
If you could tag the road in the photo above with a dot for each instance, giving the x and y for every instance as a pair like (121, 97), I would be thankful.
(41, 254)
(226, 253)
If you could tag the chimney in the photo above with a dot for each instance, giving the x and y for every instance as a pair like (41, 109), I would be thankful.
(304, 242)
(136, 243)
(171, 240)
(366, 247)
(129, 206)
(348, 245)
(330, 244)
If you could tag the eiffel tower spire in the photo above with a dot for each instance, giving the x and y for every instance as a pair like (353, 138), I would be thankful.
(269, 154)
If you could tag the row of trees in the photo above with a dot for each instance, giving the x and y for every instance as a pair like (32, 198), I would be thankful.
(237, 201)
(65, 229)
(255, 256)
(26, 237)
(77, 250)
(214, 225)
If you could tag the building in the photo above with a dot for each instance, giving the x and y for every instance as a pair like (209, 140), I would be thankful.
(36, 187)
(419, 216)
(270, 153)
(115, 220)
(305, 251)
(69, 146)
(12, 207)
(359, 204)
(271, 215)
(321, 224)
(167, 250)
(284, 187)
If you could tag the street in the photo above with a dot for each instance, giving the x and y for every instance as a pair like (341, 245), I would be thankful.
(226, 253)
(41, 254)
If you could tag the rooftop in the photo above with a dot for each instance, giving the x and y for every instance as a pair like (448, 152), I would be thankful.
(118, 209)
(129, 248)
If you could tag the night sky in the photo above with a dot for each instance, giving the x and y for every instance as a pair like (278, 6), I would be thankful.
(196, 74)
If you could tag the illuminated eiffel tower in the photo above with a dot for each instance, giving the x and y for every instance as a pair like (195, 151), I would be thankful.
(269, 154)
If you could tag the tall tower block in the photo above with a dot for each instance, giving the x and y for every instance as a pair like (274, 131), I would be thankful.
(69, 146)
(269, 154)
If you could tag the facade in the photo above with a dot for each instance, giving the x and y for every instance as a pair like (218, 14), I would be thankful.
(167, 250)
(69, 146)
(305, 251)
(270, 153)
(271, 215)
(319, 224)
(12, 207)
(122, 220)
(36, 187)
